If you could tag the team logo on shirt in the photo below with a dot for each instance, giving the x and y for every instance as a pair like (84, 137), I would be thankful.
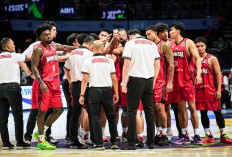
(51, 58)
(77, 52)
(178, 54)
(5, 56)
(143, 42)
(101, 60)
(204, 71)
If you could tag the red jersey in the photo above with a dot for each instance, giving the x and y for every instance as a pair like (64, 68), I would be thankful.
(183, 64)
(206, 90)
(49, 68)
(163, 73)
(118, 68)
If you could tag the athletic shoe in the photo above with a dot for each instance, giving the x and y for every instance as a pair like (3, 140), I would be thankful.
(130, 147)
(183, 140)
(225, 139)
(7, 145)
(197, 140)
(208, 139)
(22, 145)
(86, 139)
(105, 139)
(157, 139)
(27, 138)
(51, 140)
(67, 138)
(163, 140)
(150, 146)
(114, 146)
(44, 145)
(118, 138)
(124, 137)
(97, 147)
(76, 144)
(170, 137)
(140, 142)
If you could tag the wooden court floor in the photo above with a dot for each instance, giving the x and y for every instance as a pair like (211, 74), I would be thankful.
(58, 131)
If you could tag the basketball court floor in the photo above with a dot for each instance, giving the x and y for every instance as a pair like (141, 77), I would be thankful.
(59, 130)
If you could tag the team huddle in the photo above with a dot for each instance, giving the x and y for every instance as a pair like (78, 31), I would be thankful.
(104, 74)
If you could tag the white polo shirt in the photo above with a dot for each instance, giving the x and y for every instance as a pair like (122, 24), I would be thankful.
(99, 69)
(142, 53)
(9, 67)
(75, 62)
(30, 48)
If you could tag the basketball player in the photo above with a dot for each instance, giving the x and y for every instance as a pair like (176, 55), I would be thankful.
(184, 50)
(163, 85)
(208, 92)
(46, 71)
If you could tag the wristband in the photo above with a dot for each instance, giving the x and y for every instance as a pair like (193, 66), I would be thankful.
(82, 95)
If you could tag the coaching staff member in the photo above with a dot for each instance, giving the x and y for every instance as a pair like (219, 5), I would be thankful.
(141, 65)
(100, 72)
(10, 93)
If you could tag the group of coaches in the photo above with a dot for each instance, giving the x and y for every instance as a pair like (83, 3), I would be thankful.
(141, 68)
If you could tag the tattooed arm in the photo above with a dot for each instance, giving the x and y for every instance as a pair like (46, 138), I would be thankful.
(35, 58)
(167, 51)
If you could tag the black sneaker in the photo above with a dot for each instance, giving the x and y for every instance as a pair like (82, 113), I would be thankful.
(163, 140)
(27, 138)
(156, 139)
(97, 147)
(124, 137)
(130, 147)
(51, 140)
(150, 146)
(75, 144)
(67, 138)
(22, 145)
(7, 145)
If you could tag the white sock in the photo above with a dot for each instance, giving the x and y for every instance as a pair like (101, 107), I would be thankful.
(103, 130)
(222, 130)
(140, 135)
(45, 128)
(196, 131)
(185, 131)
(158, 130)
(164, 131)
(207, 131)
(169, 130)
(41, 138)
(125, 129)
(79, 131)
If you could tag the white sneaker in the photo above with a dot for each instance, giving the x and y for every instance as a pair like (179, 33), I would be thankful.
(86, 139)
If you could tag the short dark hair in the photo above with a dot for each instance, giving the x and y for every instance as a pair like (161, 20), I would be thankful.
(152, 28)
(4, 42)
(161, 27)
(200, 39)
(41, 28)
(81, 37)
(52, 23)
(95, 36)
(104, 30)
(133, 32)
(88, 40)
(71, 38)
(179, 26)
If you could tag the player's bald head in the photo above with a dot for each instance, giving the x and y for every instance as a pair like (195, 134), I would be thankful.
(98, 45)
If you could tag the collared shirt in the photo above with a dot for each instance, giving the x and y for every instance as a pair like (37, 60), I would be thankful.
(9, 67)
(99, 69)
(142, 53)
(75, 62)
